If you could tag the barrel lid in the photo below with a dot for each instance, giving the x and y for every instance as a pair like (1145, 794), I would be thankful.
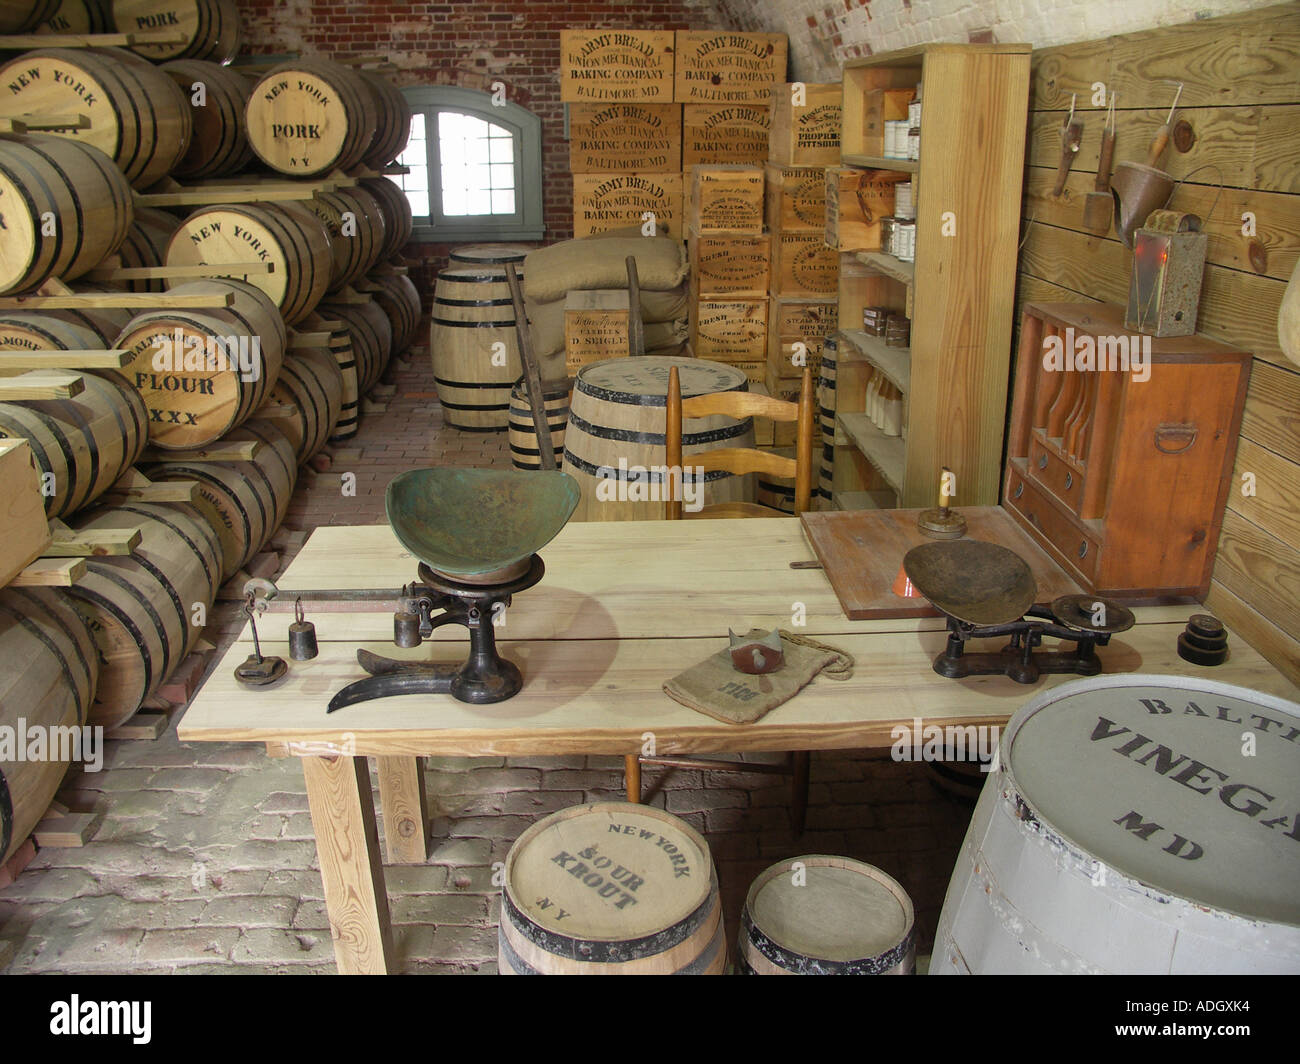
(1189, 786)
(644, 380)
(491, 253)
(830, 908)
(611, 871)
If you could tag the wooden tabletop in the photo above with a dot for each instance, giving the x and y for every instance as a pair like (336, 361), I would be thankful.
(623, 608)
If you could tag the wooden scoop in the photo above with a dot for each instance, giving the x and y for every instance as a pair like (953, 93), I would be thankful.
(1100, 205)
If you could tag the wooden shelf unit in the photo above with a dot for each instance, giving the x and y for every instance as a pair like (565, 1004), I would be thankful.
(959, 292)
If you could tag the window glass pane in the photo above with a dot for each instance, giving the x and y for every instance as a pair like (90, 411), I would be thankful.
(477, 160)
(503, 177)
(416, 183)
(480, 201)
(503, 202)
(417, 180)
(501, 150)
(417, 126)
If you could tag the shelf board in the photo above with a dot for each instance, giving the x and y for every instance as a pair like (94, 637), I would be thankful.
(882, 162)
(865, 500)
(903, 272)
(887, 453)
(894, 362)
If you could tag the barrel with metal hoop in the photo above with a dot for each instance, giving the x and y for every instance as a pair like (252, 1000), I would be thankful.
(614, 445)
(524, 453)
(826, 420)
(1123, 831)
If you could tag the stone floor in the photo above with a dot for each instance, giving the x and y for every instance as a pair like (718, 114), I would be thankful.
(204, 860)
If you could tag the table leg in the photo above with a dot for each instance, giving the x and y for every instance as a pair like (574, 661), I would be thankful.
(347, 841)
(632, 772)
(405, 810)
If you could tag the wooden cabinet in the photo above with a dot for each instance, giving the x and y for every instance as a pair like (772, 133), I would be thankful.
(958, 292)
(1121, 448)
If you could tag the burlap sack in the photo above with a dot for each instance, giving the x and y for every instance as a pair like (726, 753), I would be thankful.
(546, 320)
(550, 273)
(718, 689)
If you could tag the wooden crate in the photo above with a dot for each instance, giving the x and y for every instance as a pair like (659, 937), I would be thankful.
(806, 133)
(618, 137)
(802, 265)
(867, 109)
(856, 200)
(595, 327)
(796, 198)
(730, 264)
(602, 202)
(797, 317)
(726, 198)
(781, 351)
(715, 66)
(731, 330)
(734, 133)
(24, 530)
(623, 66)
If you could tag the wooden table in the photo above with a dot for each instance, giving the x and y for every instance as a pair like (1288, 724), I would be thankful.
(623, 607)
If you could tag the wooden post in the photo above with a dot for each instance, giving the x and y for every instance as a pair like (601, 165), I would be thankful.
(406, 818)
(532, 374)
(347, 841)
(635, 326)
(632, 770)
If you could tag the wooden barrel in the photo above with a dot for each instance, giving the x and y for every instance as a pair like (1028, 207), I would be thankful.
(203, 372)
(219, 145)
(138, 117)
(775, 492)
(523, 434)
(473, 314)
(209, 28)
(85, 444)
(142, 608)
(826, 421)
(614, 445)
(311, 116)
(400, 300)
(312, 382)
(372, 338)
(146, 245)
(355, 225)
(244, 501)
(77, 16)
(342, 352)
(490, 255)
(20, 16)
(398, 220)
(286, 235)
(1124, 832)
(52, 689)
(611, 889)
(821, 915)
(394, 121)
(75, 184)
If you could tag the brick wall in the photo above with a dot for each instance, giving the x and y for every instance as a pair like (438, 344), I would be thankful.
(469, 43)
(823, 33)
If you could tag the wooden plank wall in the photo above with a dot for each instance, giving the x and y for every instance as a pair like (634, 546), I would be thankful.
(1241, 78)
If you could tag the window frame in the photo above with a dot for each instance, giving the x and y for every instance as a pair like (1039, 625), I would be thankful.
(527, 223)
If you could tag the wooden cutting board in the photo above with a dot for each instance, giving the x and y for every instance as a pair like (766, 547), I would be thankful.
(862, 551)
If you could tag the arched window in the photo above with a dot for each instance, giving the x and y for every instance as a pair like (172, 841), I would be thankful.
(475, 167)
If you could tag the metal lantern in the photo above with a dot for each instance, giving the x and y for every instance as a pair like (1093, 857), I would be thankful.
(1168, 267)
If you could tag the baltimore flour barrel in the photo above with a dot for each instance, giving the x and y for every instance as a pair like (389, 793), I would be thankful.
(285, 235)
(245, 502)
(614, 445)
(144, 609)
(474, 346)
(138, 117)
(76, 188)
(45, 698)
(823, 915)
(1135, 824)
(524, 451)
(611, 889)
(203, 372)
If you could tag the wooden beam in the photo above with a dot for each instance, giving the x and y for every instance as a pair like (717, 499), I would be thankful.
(118, 301)
(14, 359)
(50, 573)
(69, 543)
(163, 273)
(403, 800)
(221, 451)
(41, 385)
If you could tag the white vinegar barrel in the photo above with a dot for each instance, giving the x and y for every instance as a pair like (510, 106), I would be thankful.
(824, 915)
(611, 889)
(826, 419)
(1128, 830)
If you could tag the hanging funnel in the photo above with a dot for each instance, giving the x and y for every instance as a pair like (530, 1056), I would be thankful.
(1138, 190)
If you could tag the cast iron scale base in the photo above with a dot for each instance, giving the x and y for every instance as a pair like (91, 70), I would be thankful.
(987, 592)
(485, 677)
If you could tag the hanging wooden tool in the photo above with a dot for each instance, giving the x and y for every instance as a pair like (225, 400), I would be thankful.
(532, 374)
(1071, 138)
(635, 326)
(1099, 206)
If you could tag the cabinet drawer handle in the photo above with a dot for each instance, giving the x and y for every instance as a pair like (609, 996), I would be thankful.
(1020, 489)
(1069, 481)
(1174, 439)
(1083, 549)
(1042, 461)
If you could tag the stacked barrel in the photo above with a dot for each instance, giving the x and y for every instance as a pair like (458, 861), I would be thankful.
(233, 384)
